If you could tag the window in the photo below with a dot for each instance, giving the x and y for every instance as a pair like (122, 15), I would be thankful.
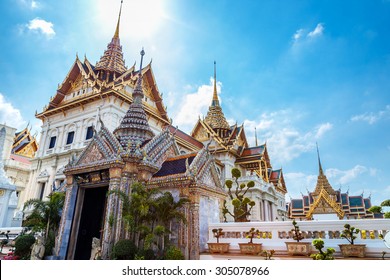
(89, 133)
(42, 191)
(70, 138)
(52, 142)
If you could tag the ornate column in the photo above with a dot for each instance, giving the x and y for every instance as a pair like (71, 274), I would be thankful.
(194, 227)
(64, 232)
(111, 219)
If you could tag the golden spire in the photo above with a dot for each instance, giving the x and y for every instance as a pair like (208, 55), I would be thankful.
(112, 59)
(215, 101)
(215, 117)
(321, 172)
(116, 35)
(256, 136)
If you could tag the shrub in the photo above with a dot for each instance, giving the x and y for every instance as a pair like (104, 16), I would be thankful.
(146, 254)
(23, 245)
(322, 255)
(124, 249)
(173, 253)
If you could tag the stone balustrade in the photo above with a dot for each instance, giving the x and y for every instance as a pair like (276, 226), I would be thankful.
(273, 235)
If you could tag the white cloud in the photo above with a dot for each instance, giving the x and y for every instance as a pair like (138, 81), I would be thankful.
(10, 115)
(346, 176)
(299, 182)
(284, 141)
(298, 34)
(372, 117)
(322, 129)
(43, 26)
(194, 105)
(31, 4)
(318, 31)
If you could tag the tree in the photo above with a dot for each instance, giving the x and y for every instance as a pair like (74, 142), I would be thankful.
(45, 217)
(386, 203)
(375, 209)
(147, 215)
(242, 205)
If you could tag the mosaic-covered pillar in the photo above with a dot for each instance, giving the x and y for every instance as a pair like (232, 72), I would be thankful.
(194, 227)
(64, 232)
(110, 226)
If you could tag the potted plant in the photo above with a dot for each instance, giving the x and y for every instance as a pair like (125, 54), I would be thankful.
(298, 248)
(218, 247)
(250, 247)
(322, 255)
(351, 249)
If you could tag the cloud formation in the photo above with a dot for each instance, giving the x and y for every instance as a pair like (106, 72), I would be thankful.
(9, 115)
(346, 176)
(194, 105)
(302, 33)
(31, 4)
(41, 26)
(372, 117)
(284, 140)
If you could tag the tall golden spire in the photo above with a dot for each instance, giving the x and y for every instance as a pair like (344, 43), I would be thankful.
(215, 101)
(321, 172)
(116, 35)
(215, 117)
(112, 59)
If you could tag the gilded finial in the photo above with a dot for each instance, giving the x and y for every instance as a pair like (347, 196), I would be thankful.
(319, 161)
(215, 101)
(116, 35)
(256, 137)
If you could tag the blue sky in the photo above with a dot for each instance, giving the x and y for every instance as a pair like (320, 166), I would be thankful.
(301, 72)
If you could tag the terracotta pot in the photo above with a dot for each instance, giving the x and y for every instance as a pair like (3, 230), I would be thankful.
(250, 248)
(298, 248)
(355, 250)
(218, 247)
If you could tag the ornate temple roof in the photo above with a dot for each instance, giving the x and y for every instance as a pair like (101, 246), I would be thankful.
(322, 181)
(215, 117)
(24, 144)
(134, 126)
(112, 59)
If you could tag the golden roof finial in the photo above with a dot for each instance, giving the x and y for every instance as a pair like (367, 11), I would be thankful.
(116, 35)
(319, 161)
(215, 101)
(256, 136)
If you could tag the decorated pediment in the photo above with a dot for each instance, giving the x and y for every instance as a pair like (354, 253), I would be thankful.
(200, 133)
(103, 148)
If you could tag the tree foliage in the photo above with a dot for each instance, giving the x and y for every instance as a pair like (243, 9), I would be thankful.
(147, 217)
(242, 205)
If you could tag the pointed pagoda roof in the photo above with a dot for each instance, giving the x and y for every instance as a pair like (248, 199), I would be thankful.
(112, 59)
(134, 126)
(215, 117)
(322, 181)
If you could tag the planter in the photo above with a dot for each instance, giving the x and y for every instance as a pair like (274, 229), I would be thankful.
(355, 250)
(218, 247)
(250, 248)
(298, 248)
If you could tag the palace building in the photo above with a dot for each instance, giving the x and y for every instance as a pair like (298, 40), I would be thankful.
(18, 148)
(326, 203)
(107, 127)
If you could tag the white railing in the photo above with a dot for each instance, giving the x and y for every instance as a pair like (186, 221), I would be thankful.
(273, 235)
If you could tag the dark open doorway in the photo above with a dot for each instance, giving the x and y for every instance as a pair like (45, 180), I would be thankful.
(91, 221)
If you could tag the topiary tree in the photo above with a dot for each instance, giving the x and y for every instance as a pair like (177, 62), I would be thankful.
(297, 233)
(349, 233)
(242, 205)
(322, 255)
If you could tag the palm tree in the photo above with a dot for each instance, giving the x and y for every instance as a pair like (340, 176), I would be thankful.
(45, 216)
(169, 210)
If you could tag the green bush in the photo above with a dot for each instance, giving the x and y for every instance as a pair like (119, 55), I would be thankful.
(322, 255)
(23, 245)
(124, 249)
(173, 253)
(148, 254)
